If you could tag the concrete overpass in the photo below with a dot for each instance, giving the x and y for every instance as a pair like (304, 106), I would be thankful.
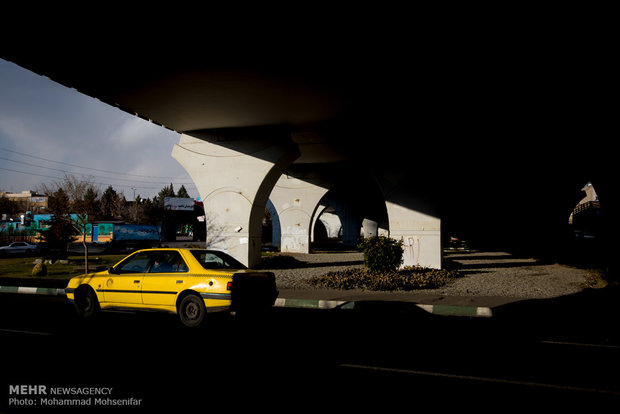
(489, 144)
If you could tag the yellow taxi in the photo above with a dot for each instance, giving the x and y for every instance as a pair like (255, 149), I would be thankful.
(187, 282)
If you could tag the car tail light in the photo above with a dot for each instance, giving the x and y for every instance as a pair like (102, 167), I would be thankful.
(229, 285)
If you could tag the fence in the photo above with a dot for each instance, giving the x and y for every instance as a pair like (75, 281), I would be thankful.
(10, 238)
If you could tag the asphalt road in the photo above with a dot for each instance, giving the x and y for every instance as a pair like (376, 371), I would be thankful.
(389, 356)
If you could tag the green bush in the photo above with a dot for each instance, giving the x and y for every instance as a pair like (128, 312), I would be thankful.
(408, 278)
(382, 257)
(382, 254)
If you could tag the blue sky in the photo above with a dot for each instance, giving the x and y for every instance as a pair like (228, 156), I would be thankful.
(48, 130)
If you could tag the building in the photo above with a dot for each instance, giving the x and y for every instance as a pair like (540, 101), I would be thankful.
(585, 218)
(27, 201)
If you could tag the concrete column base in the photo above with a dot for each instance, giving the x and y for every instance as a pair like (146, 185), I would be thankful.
(420, 234)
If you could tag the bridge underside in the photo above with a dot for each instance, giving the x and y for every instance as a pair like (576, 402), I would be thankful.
(491, 150)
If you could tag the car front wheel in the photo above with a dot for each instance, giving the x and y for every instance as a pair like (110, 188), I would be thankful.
(86, 303)
(192, 311)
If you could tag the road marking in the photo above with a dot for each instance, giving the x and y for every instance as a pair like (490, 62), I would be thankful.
(481, 379)
(580, 344)
(25, 332)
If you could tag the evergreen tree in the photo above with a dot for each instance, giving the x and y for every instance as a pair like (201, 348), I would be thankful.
(167, 191)
(182, 193)
(9, 207)
(109, 203)
(61, 231)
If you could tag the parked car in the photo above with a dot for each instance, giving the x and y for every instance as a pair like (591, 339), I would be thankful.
(187, 282)
(18, 248)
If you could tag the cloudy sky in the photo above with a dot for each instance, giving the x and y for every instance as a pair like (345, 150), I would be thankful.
(48, 130)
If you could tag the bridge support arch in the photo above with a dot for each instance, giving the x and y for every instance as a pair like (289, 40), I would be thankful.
(234, 172)
(296, 201)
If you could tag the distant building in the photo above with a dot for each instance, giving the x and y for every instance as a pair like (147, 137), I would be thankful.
(586, 215)
(27, 200)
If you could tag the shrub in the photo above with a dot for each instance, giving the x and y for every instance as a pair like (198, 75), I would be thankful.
(382, 254)
(39, 269)
(408, 278)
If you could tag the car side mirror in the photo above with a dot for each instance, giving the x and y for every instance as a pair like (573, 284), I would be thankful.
(112, 270)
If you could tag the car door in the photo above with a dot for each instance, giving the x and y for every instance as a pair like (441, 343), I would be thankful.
(124, 282)
(18, 247)
(166, 277)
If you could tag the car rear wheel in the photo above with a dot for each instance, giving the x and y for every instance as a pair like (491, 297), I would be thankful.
(192, 311)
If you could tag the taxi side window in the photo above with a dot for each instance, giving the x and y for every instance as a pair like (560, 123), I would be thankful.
(138, 263)
(212, 261)
(168, 262)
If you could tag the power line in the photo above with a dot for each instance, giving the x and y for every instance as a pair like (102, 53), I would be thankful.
(95, 182)
(79, 166)
(97, 176)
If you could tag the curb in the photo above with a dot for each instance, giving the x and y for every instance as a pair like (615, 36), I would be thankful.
(448, 310)
(445, 310)
(309, 303)
(27, 290)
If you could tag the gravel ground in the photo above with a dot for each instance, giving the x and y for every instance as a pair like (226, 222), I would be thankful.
(315, 264)
(501, 274)
(483, 274)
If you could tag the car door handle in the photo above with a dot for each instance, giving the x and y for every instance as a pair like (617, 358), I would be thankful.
(136, 281)
(179, 281)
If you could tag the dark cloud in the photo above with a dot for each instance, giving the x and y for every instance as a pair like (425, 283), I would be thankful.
(41, 120)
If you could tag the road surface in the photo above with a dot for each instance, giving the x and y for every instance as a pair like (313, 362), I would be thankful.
(389, 356)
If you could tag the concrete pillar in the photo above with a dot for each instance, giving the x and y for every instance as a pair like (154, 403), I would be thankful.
(234, 172)
(412, 218)
(370, 228)
(420, 233)
(275, 225)
(296, 201)
(332, 224)
(350, 220)
(317, 213)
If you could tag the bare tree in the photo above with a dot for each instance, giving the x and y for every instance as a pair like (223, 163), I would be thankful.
(85, 208)
(82, 195)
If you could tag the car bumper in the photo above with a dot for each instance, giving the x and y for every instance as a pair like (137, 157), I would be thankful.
(253, 291)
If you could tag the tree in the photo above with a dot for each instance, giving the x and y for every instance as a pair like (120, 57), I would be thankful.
(182, 193)
(109, 203)
(58, 203)
(86, 209)
(7, 206)
(61, 230)
(72, 195)
(167, 191)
